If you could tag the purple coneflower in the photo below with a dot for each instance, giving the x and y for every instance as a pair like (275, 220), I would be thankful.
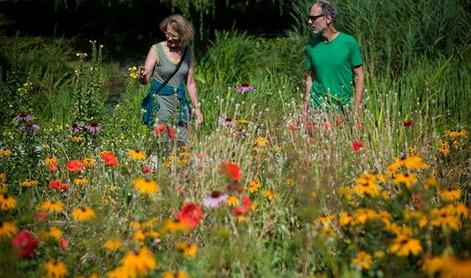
(29, 127)
(225, 121)
(93, 128)
(215, 199)
(244, 87)
(23, 117)
(75, 127)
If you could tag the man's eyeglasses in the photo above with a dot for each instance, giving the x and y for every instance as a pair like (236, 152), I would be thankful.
(170, 35)
(315, 17)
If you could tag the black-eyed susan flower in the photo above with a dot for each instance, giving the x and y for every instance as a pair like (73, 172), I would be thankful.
(370, 189)
(404, 246)
(345, 219)
(5, 152)
(175, 274)
(77, 139)
(80, 181)
(444, 148)
(432, 265)
(268, 194)
(52, 206)
(455, 134)
(174, 226)
(3, 177)
(445, 218)
(362, 260)
(253, 186)
(187, 249)
(261, 142)
(430, 182)
(55, 268)
(232, 201)
(140, 262)
(145, 186)
(50, 160)
(112, 244)
(89, 162)
(29, 183)
(137, 154)
(7, 202)
(415, 162)
(83, 213)
(450, 194)
(407, 179)
(7, 229)
(51, 232)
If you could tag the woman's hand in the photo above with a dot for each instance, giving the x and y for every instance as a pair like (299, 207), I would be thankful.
(142, 76)
(198, 116)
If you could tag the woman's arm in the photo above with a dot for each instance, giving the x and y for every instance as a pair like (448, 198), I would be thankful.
(146, 72)
(191, 87)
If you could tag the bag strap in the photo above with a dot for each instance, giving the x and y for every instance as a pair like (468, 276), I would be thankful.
(176, 70)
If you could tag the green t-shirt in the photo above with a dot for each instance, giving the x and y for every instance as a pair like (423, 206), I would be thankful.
(331, 64)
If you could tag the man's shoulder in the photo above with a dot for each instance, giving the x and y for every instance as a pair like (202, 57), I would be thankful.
(347, 37)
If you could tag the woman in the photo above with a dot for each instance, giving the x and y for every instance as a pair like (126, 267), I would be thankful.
(166, 102)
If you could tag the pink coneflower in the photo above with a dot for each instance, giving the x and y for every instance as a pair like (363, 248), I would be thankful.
(244, 87)
(23, 117)
(215, 199)
(93, 128)
(29, 127)
(226, 121)
(75, 127)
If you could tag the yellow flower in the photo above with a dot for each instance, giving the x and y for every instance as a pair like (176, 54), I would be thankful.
(145, 186)
(188, 250)
(93, 275)
(253, 186)
(415, 162)
(327, 230)
(457, 268)
(430, 181)
(407, 179)
(458, 209)
(261, 141)
(89, 162)
(29, 182)
(140, 262)
(450, 194)
(173, 226)
(417, 216)
(137, 154)
(241, 219)
(55, 268)
(5, 152)
(3, 187)
(363, 260)
(77, 139)
(7, 229)
(461, 133)
(52, 206)
(112, 244)
(325, 219)
(289, 182)
(445, 218)
(403, 246)
(83, 213)
(268, 194)
(232, 201)
(345, 219)
(370, 188)
(7, 202)
(397, 164)
(346, 192)
(444, 148)
(176, 274)
(413, 150)
(432, 265)
(80, 181)
(50, 160)
(52, 232)
(3, 177)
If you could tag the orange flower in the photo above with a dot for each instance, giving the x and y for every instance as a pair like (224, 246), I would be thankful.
(231, 169)
(190, 214)
(75, 165)
(159, 128)
(244, 208)
(109, 158)
(58, 185)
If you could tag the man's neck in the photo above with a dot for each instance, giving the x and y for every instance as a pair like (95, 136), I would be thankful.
(330, 33)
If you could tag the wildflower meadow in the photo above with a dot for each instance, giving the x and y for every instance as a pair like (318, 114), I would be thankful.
(88, 190)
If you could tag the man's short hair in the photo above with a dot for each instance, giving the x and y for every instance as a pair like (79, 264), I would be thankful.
(328, 8)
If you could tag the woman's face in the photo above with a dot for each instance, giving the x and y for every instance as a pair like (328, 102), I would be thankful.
(172, 37)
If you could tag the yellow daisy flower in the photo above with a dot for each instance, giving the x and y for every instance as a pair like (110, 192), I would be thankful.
(137, 154)
(145, 186)
(232, 201)
(5, 152)
(268, 194)
(50, 160)
(52, 206)
(176, 274)
(7, 202)
(188, 250)
(55, 268)
(83, 213)
(112, 244)
(253, 186)
(363, 260)
(29, 183)
(51, 232)
(407, 179)
(261, 141)
(88, 162)
(450, 194)
(77, 139)
(403, 246)
(80, 181)
(7, 229)
(444, 148)
(140, 262)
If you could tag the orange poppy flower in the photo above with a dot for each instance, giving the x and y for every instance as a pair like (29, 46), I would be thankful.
(231, 169)
(109, 158)
(75, 165)
(190, 214)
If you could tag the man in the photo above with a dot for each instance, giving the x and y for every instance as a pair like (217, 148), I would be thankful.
(333, 61)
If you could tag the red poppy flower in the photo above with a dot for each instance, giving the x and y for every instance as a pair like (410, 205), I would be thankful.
(147, 170)
(357, 145)
(407, 122)
(75, 165)
(231, 169)
(172, 134)
(190, 214)
(24, 244)
(159, 128)
(244, 207)
(58, 185)
(109, 158)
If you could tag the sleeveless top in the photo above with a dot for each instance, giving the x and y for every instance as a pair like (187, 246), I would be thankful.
(164, 67)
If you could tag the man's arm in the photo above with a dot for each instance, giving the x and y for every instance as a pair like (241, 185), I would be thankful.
(359, 89)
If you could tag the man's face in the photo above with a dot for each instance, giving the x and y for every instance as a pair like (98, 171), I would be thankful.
(317, 20)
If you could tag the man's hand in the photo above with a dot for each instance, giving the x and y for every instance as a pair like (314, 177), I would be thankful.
(198, 116)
